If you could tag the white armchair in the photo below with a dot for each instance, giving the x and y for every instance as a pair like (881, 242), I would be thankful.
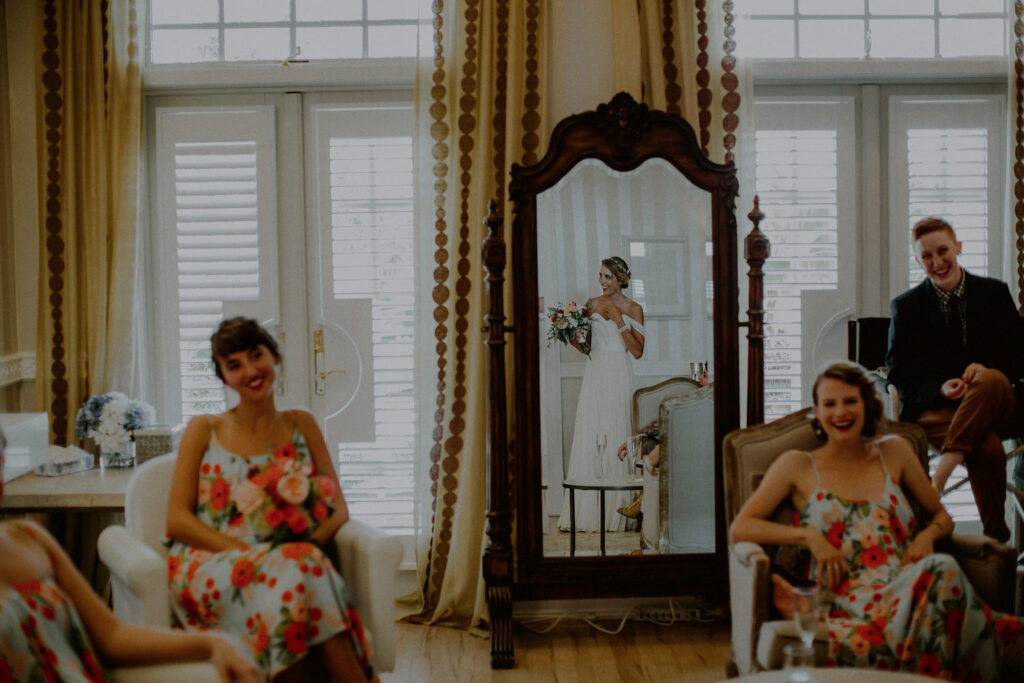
(137, 560)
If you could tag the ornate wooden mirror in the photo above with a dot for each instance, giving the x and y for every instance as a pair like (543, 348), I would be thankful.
(618, 181)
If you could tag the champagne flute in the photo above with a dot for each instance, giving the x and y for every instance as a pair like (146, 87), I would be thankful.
(805, 612)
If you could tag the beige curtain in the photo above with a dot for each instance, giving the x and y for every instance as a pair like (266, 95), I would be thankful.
(688, 67)
(90, 103)
(481, 110)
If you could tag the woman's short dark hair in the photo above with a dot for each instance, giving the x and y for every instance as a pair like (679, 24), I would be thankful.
(239, 334)
(855, 376)
(618, 267)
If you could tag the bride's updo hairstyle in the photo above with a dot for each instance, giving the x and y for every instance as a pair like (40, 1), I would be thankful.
(855, 376)
(239, 334)
(617, 267)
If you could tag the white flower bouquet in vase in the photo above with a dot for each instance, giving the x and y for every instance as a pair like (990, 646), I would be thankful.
(109, 420)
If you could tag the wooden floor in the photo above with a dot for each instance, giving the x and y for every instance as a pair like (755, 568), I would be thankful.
(572, 651)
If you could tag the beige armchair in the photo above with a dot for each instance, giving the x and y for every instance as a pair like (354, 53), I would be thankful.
(137, 560)
(758, 633)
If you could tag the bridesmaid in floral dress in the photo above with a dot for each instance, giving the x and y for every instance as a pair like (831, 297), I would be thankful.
(254, 498)
(53, 626)
(890, 601)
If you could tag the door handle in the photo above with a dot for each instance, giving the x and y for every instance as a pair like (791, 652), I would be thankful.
(319, 369)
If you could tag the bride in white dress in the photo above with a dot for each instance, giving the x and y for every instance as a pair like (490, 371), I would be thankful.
(603, 412)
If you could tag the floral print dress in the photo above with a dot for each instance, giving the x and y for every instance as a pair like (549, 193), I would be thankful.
(42, 638)
(281, 595)
(923, 617)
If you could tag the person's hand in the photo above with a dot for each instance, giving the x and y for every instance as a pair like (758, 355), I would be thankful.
(971, 372)
(231, 663)
(831, 563)
(622, 451)
(954, 389)
(920, 548)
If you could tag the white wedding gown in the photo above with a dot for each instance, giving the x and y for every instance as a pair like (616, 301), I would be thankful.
(602, 425)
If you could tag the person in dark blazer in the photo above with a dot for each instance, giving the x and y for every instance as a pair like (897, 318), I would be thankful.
(953, 346)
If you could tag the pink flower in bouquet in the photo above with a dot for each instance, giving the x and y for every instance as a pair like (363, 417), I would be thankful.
(297, 522)
(327, 487)
(248, 496)
(320, 511)
(293, 488)
(268, 477)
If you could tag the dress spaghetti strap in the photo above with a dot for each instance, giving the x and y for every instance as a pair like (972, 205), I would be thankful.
(816, 472)
(880, 457)
(634, 324)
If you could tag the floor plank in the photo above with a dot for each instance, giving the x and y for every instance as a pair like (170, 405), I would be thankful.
(572, 651)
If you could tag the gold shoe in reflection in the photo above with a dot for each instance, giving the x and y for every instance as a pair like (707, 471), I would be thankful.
(632, 510)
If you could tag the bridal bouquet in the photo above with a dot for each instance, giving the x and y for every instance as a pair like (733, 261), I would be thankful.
(109, 419)
(284, 499)
(569, 323)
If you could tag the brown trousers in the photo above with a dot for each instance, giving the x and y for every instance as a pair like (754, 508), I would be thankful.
(974, 427)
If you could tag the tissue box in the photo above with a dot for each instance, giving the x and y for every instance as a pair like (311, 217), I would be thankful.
(156, 440)
(27, 442)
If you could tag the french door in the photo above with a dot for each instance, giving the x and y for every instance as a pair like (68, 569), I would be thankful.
(297, 210)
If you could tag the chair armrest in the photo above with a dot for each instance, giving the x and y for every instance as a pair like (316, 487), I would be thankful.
(193, 672)
(138, 578)
(988, 564)
(749, 586)
(369, 564)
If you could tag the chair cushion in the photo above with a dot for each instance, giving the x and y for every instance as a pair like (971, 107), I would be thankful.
(145, 504)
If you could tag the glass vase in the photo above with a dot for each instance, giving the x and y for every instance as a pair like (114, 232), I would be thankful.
(119, 458)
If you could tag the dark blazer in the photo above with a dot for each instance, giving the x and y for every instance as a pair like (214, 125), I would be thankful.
(920, 357)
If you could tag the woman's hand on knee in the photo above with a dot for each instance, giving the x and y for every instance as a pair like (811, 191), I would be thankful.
(231, 663)
(918, 549)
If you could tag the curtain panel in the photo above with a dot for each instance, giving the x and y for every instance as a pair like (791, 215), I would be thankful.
(89, 91)
(1016, 128)
(480, 110)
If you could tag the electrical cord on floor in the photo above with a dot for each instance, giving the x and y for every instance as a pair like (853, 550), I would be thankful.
(602, 629)
(676, 614)
(542, 631)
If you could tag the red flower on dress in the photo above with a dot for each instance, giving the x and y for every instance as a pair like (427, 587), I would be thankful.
(286, 451)
(873, 557)
(220, 492)
(1008, 628)
(924, 581)
(173, 564)
(92, 667)
(28, 587)
(929, 665)
(297, 551)
(295, 638)
(897, 528)
(237, 520)
(188, 601)
(297, 523)
(6, 675)
(193, 567)
(48, 613)
(871, 633)
(954, 622)
(835, 534)
(242, 573)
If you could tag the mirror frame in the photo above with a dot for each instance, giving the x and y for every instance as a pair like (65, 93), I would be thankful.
(623, 134)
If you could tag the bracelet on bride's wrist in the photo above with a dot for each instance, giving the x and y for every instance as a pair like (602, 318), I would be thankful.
(623, 329)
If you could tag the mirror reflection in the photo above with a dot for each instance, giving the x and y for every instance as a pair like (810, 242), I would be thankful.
(626, 299)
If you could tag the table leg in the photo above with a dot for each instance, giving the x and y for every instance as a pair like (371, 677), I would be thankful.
(602, 521)
(572, 522)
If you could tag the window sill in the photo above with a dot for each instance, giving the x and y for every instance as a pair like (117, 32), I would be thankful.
(336, 75)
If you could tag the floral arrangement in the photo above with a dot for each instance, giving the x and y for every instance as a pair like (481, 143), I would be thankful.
(109, 419)
(569, 323)
(283, 499)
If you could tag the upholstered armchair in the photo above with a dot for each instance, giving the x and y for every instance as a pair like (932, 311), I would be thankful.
(137, 560)
(758, 632)
(646, 406)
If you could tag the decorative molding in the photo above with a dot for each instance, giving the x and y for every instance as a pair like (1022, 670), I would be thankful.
(18, 367)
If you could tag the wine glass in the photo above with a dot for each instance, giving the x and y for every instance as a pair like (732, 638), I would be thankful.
(798, 662)
(634, 451)
(805, 612)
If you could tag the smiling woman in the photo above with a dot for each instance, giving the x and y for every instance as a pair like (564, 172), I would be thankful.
(254, 497)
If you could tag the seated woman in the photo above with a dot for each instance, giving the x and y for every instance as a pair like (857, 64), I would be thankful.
(891, 602)
(51, 620)
(254, 497)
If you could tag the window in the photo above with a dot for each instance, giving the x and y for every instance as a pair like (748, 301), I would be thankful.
(296, 210)
(192, 31)
(870, 29)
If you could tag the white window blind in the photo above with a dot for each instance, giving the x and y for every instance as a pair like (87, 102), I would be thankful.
(215, 242)
(947, 171)
(217, 255)
(797, 183)
(372, 256)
